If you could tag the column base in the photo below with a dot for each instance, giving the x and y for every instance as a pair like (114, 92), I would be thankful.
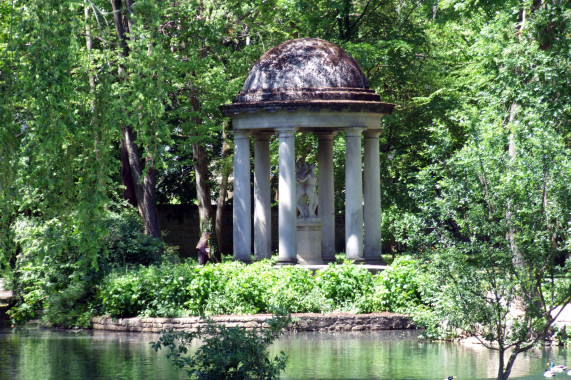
(287, 262)
(357, 260)
(375, 261)
(243, 261)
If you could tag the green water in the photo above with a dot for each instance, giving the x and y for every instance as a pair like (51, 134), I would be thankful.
(46, 354)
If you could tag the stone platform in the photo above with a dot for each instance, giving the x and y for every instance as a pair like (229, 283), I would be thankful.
(370, 267)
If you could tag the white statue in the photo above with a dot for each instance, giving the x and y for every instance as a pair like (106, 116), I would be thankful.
(306, 183)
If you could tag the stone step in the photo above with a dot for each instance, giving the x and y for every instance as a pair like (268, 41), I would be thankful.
(5, 296)
(4, 319)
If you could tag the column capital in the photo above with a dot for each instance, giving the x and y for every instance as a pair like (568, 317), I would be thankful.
(372, 133)
(354, 131)
(325, 135)
(262, 136)
(286, 131)
(241, 134)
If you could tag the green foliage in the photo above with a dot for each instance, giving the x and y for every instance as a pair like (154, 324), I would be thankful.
(401, 287)
(494, 214)
(234, 288)
(126, 244)
(227, 352)
(295, 289)
(561, 335)
(48, 277)
(243, 289)
(344, 285)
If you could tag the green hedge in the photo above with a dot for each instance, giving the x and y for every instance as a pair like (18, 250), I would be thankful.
(233, 288)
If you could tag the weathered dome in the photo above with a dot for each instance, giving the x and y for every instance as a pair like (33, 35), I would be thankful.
(306, 69)
(306, 74)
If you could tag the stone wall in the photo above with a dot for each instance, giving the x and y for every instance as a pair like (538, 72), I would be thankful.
(180, 228)
(302, 322)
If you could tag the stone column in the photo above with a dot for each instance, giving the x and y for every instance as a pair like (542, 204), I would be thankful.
(287, 200)
(326, 200)
(262, 197)
(372, 198)
(353, 195)
(242, 208)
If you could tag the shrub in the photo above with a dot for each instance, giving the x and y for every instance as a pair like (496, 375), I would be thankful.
(53, 279)
(294, 290)
(344, 285)
(227, 352)
(205, 281)
(399, 287)
(243, 289)
(126, 244)
(235, 288)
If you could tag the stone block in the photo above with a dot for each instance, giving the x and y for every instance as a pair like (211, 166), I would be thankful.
(309, 241)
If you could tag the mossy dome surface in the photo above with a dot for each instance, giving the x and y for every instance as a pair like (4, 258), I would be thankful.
(306, 69)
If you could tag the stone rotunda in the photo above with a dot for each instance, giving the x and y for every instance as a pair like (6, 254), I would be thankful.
(307, 85)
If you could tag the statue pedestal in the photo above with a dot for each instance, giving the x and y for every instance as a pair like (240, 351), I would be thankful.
(309, 241)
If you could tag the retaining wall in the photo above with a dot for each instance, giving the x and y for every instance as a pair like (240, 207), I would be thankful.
(302, 322)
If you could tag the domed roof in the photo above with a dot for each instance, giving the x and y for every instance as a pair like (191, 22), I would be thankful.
(306, 69)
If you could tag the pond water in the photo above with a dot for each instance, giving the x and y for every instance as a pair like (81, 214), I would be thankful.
(48, 354)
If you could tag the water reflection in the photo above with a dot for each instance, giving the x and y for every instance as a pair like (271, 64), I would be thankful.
(44, 354)
(400, 355)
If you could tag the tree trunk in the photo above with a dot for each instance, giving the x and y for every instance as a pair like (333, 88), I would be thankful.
(151, 213)
(225, 173)
(143, 188)
(139, 190)
(517, 256)
(200, 164)
(505, 372)
(127, 177)
(501, 353)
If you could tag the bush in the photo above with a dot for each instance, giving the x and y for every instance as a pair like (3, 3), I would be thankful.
(126, 244)
(293, 289)
(228, 288)
(204, 282)
(243, 289)
(235, 288)
(398, 288)
(227, 352)
(51, 277)
(344, 286)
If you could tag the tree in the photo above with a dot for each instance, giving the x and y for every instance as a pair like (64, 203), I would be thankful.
(55, 155)
(495, 217)
(213, 46)
(140, 79)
